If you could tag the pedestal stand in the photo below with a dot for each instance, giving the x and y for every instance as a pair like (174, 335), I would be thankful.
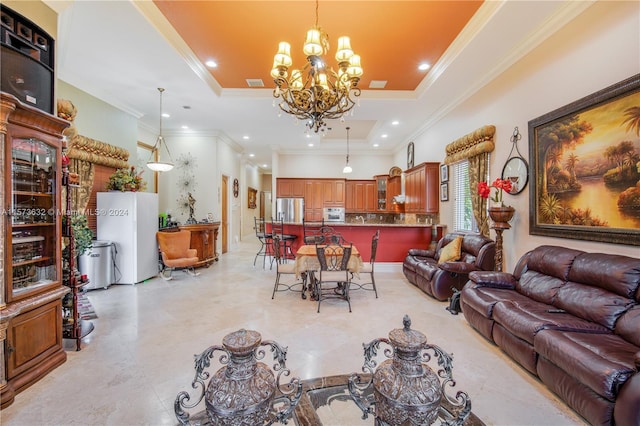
(501, 217)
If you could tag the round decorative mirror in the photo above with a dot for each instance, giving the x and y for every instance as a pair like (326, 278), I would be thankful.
(516, 168)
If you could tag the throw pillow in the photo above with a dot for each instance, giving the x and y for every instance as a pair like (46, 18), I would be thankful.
(451, 251)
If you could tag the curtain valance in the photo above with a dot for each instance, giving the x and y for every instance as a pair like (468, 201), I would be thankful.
(477, 142)
(96, 152)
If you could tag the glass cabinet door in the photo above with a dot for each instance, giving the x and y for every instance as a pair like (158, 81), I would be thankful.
(382, 193)
(33, 223)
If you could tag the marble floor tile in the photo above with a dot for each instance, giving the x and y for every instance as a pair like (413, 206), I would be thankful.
(140, 354)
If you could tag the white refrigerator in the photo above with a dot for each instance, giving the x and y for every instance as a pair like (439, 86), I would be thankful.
(130, 221)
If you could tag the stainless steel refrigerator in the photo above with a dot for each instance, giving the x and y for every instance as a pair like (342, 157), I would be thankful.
(290, 210)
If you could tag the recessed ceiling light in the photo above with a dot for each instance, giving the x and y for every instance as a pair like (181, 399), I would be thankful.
(423, 66)
(310, 144)
(211, 64)
(265, 166)
(252, 155)
(395, 122)
(245, 137)
(166, 115)
(185, 127)
(384, 136)
(375, 145)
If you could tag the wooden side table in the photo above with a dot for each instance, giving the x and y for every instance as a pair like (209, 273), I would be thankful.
(203, 239)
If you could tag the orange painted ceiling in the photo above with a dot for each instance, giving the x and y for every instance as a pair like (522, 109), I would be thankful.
(392, 37)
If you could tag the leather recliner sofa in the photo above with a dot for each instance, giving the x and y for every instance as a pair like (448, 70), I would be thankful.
(572, 319)
(438, 280)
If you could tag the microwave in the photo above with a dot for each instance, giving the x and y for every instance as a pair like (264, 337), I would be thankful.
(333, 214)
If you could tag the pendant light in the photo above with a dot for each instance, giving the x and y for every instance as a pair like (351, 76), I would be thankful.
(347, 167)
(158, 165)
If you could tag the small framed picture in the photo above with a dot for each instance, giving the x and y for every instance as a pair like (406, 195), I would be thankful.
(444, 173)
(444, 191)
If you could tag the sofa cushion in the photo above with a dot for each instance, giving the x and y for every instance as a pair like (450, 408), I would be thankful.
(451, 251)
(592, 303)
(524, 318)
(603, 362)
(538, 286)
(552, 260)
(618, 274)
(426, 269)
(483, 299)
(628, 326)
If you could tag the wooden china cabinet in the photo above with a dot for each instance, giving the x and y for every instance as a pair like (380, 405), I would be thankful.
(30, 258)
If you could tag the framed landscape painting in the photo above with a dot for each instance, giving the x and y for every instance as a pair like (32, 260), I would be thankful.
(585, 168)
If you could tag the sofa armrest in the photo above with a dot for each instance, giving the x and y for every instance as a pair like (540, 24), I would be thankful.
(459, 267)
(493, 279)
(192, 253)
(422, 253)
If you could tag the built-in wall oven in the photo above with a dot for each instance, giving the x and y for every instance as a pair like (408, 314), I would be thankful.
(333, 214)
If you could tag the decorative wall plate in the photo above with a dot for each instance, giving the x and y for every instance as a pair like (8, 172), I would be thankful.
(395, 171)
(236, 188)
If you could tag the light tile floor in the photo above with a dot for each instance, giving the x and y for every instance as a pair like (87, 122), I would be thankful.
(140, 354)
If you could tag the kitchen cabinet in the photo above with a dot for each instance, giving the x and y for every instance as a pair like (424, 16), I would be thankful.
(422, 189)
(334, 192)
(31, 289)
(361, 196)
(387, 188)
(290, 187)
(313, 200)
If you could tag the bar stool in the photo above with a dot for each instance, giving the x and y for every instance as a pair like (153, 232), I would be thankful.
(265, 241)
(286, 240)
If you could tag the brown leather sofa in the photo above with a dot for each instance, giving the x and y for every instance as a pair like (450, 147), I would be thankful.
(438, 280)
(572, 319)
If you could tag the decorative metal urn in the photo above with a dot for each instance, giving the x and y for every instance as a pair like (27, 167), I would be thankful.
(406, 391)
(245, 391)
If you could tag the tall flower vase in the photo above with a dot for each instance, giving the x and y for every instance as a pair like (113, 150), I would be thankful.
(500, 216)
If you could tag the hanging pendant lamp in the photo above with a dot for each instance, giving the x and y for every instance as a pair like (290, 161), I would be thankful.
(156, 164)
(347, 167)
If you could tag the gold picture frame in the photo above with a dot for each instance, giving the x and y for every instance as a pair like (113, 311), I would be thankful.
(253, 196)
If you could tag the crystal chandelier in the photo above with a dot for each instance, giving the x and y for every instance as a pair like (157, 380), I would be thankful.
(317, 92)
(155, 164)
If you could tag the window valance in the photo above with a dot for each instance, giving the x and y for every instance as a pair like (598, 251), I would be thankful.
(96, 152)
(477, 142)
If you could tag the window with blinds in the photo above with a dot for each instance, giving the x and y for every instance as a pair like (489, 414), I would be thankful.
(462, 211)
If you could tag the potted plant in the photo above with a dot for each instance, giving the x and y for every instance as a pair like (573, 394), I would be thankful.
(82, 234)
(126, 180)
(499, 213)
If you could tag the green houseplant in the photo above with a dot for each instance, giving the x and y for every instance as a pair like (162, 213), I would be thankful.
(82, 234)
(126, 180)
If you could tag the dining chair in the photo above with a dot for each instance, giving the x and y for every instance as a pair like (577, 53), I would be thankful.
(176, 254)
(284, 268)
(368, 268)
(312, 232)
(286, 240)
(330, 236)
(334, 261)
(265, 241)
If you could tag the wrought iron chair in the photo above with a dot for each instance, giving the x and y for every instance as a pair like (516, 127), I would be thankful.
(176, 254)
(283, 268)
(334, 261)
(330, 236)
(312, 232)
(367, 268)
(265, 241)
(286, 240)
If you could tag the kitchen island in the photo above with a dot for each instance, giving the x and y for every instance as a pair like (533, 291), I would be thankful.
(395, 238)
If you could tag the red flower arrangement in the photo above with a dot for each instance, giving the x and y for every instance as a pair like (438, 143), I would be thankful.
(499, 184)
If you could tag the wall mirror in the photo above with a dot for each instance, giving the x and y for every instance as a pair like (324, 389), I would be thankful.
(516, 168)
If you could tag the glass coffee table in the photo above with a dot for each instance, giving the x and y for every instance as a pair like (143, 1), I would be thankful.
(326, 401)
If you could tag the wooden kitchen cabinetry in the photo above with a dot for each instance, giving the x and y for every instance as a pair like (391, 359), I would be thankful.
(361, 196)
(334, 192)
(422, 188)
(290, 187)
(203, 239)
(387, 188)
(31, 287)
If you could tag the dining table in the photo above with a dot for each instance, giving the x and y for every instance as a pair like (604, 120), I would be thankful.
(306, 262)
